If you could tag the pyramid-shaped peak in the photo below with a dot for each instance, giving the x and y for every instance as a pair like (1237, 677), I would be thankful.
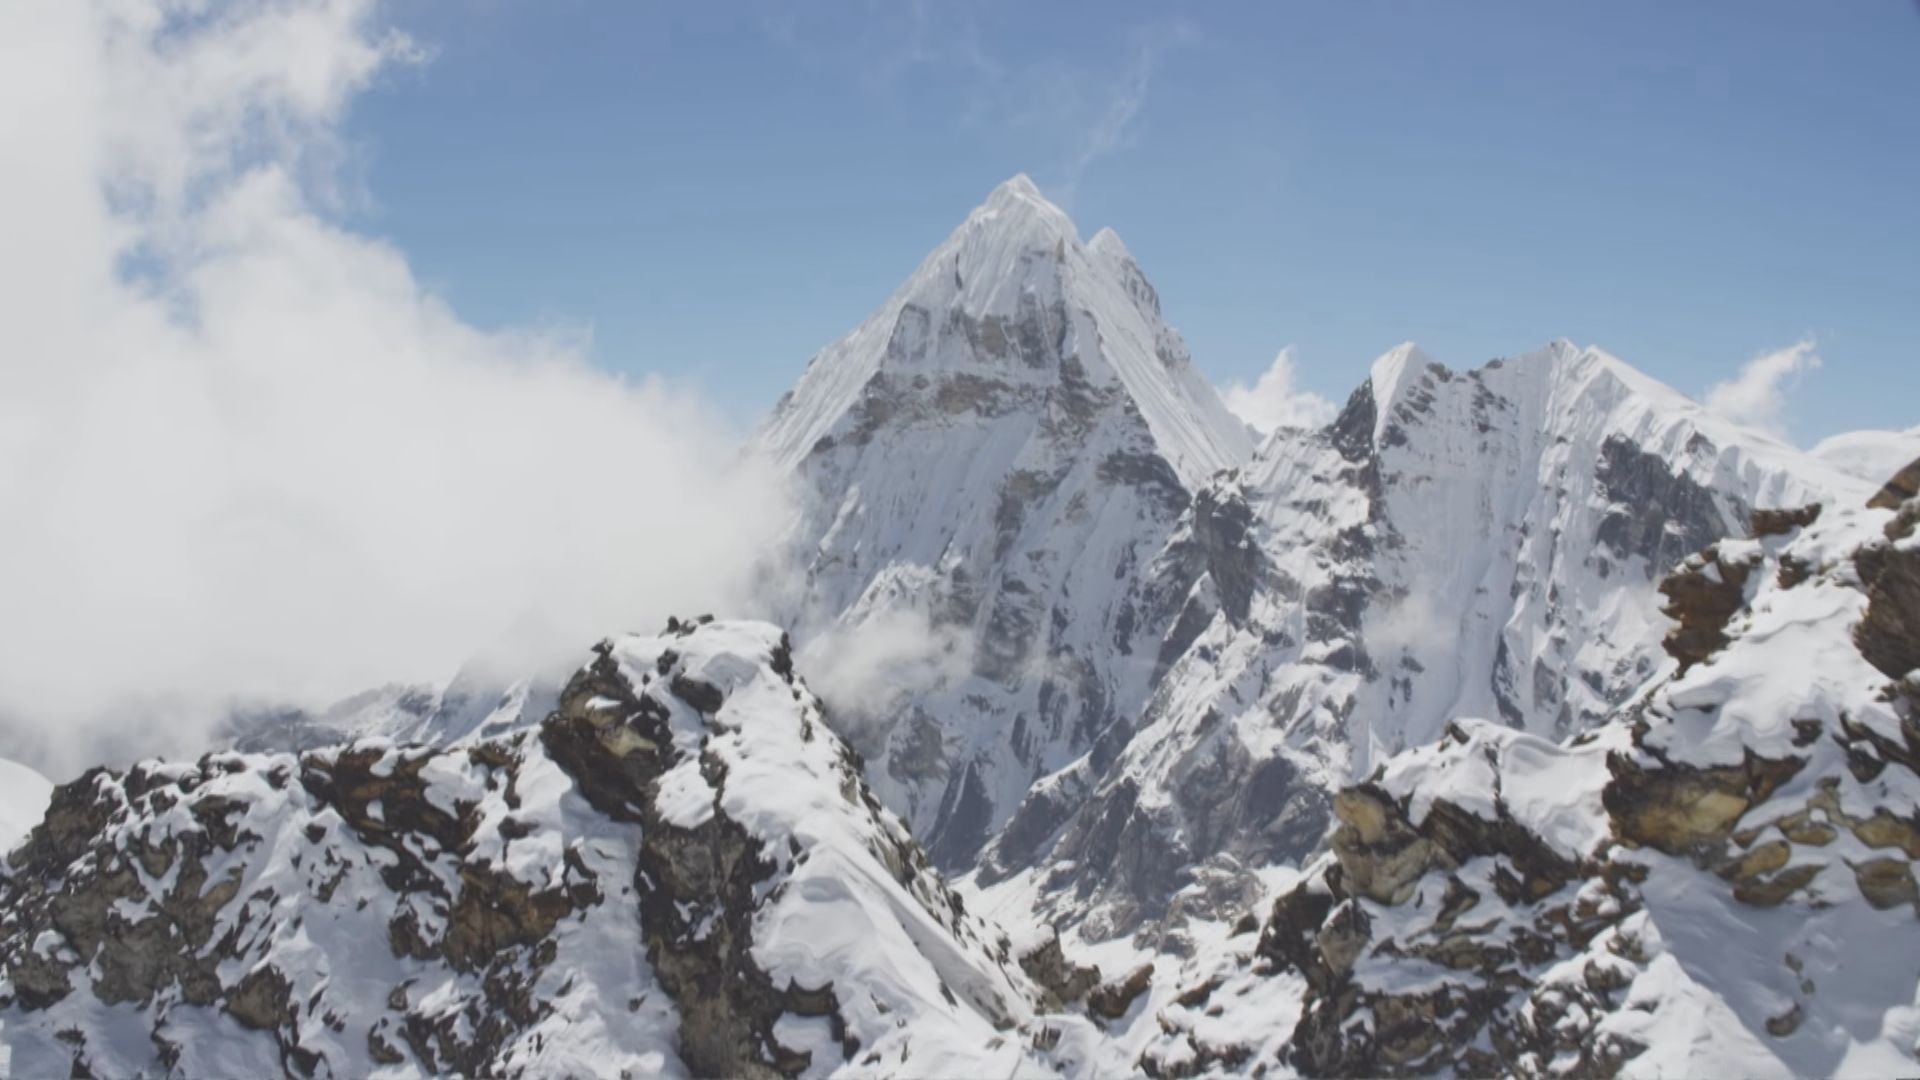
(1014, 280)
(1017, 211)
(1108, 243)
(1017, 186)
(1390, 370)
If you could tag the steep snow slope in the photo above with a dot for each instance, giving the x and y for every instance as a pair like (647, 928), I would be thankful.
(679, 871)
(1716, 881)
(23, 800)
(991, 461)
(1480, 543)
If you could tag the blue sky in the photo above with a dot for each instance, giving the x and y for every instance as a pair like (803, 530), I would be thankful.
(718, 190)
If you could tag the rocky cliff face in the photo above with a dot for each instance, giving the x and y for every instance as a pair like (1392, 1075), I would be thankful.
(991, 463)
(680, 870)
(1709, 881)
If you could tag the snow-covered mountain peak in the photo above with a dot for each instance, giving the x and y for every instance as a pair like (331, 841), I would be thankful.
(1107, 244)
(1018, 203)
(1581, 392)
(1388, 374)
(1016, 188)
(991, 459)
(1013, 298)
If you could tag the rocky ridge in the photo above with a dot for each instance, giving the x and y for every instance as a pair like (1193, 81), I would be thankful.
(680, 870)
(1456, 543)
(1711, 881)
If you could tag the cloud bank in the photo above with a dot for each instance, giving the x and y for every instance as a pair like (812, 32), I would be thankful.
(1272, 402)
(1757, 396)
(244, 454)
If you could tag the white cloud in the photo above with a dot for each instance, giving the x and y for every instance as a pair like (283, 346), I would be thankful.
(864, 669)
(243, 452)
(1408, 624)
(1757, 396)
(1272, 402)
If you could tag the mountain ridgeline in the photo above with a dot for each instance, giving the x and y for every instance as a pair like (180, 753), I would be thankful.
(1167, 645)
(1524, 719)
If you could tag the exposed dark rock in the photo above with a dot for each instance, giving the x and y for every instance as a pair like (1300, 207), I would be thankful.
(1889, 633)
(1904, 485)
(696, 885)
(1886, 882)
(1222, 525)
(1684, 809)
(1111, 1001)
(1765, 523)
(1702, 596)
(1383, 856)
(91, 899)
(1352, 431)
(1065, 980)
(961, 826)
(1290, 939)
(705, 697)
(1656, 513)
(1148, 473)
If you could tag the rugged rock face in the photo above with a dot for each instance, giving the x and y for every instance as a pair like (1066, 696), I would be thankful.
(991, 463)
(680, 871)
(1702, 595)
(1889, 569)
(1456, 543)
(1709, 881)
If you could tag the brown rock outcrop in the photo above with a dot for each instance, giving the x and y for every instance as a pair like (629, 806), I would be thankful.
(1702, 596)
(1904, 485)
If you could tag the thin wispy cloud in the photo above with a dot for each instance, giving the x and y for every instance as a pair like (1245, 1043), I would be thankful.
(1116, 122)
(1757, 396)
(1093, 104)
